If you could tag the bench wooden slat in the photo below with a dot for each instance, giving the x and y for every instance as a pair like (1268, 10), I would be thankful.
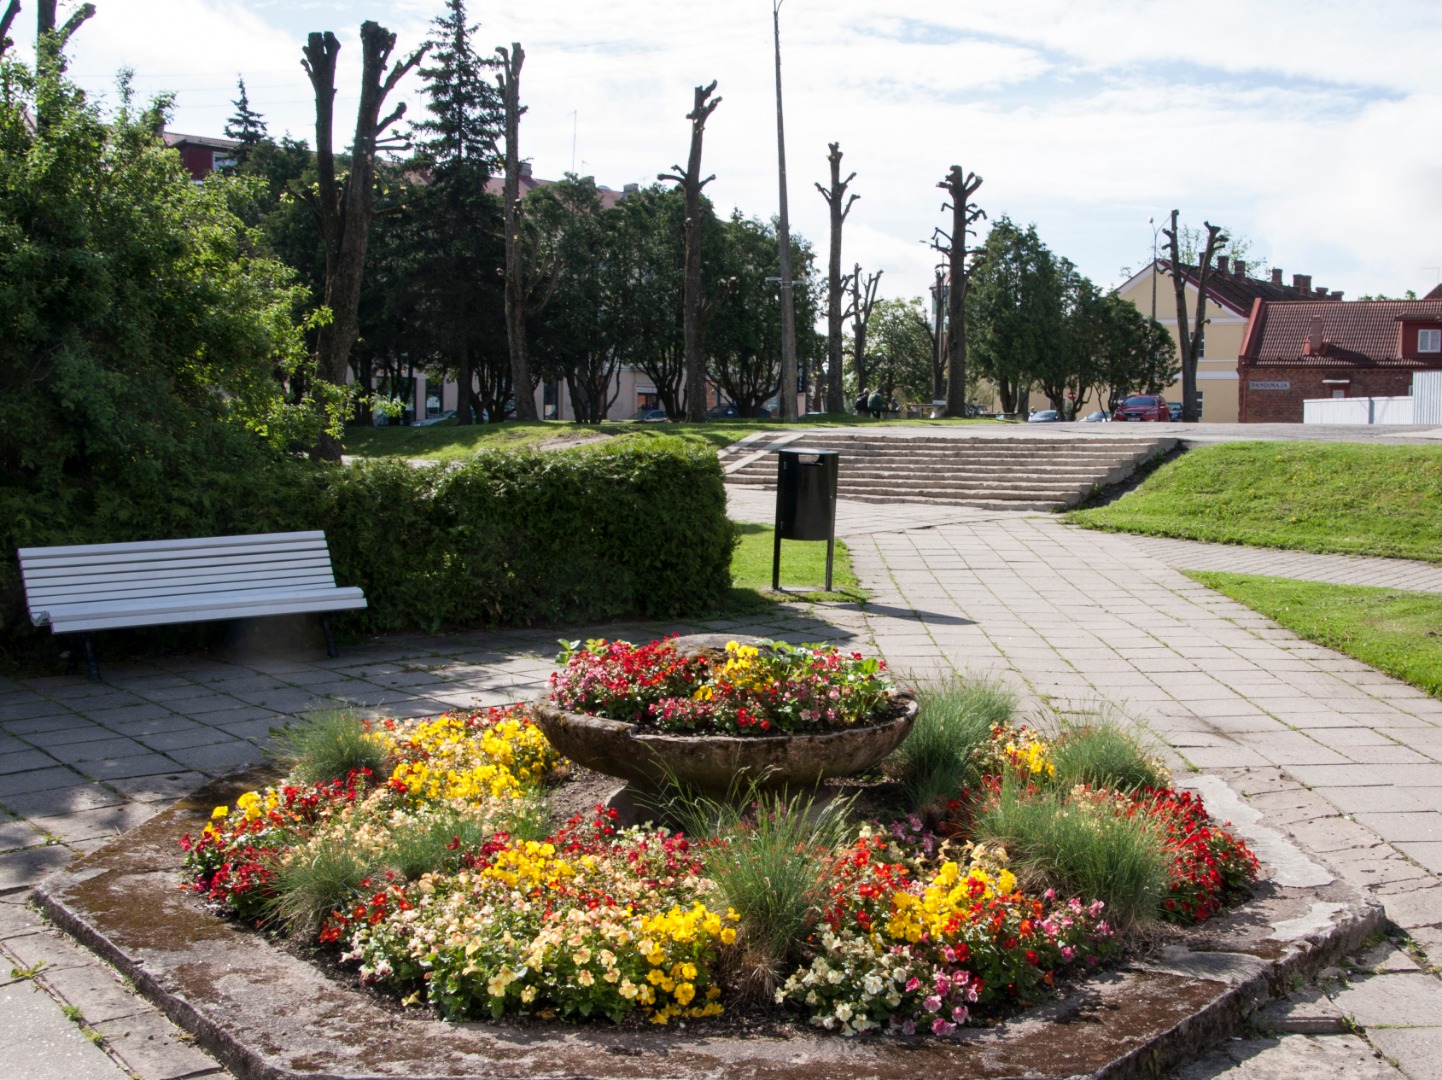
(138, 593)
(179, 577)
(102, 618)
(40, 570)
(147, 547)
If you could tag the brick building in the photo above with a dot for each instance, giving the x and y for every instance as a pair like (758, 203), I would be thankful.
(201, 154)
(1298, 350)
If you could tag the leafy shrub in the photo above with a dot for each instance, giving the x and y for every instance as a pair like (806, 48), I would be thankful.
(510, 539)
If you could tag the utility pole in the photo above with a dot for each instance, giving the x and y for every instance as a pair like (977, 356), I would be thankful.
(788, 316)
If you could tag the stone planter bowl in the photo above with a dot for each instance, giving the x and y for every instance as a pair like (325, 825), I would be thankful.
(717, 764)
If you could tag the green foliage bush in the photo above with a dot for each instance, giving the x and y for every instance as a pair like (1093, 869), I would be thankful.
(627, 528)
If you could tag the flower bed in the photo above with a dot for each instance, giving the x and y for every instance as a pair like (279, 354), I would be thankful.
(461, 897)
(743, 690)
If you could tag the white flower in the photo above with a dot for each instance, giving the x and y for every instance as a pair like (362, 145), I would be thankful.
(873, 984)
(843, 1012)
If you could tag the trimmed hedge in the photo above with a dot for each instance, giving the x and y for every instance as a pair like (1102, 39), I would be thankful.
(511, 538)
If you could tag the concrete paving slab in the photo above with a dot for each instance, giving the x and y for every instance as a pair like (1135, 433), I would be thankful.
(40, 1044)
(19, 870)
(1403, 999)
(153, 1047)
(32, 780)
(1417, 1051)
(61, 800)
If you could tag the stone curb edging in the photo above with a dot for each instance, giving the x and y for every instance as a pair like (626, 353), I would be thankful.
(220, 983)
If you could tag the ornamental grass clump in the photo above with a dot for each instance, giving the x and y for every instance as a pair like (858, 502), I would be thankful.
(768, 855)
(1077, 849)
(944, 755)
(328, 744)
(1101, 754)
(743, 690)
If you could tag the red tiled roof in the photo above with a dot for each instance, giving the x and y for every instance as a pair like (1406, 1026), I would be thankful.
(1238, 293)
(496, 186)
(1352, 332)
(174, 139)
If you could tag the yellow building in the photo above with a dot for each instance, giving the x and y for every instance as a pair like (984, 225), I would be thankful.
(1230, 293)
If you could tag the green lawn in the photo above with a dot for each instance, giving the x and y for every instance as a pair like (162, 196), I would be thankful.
(1399, 633)
(1335, 498)
(803, 565)
(447, 441)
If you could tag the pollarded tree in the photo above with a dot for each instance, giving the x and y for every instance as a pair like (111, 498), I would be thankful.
(1190, 338)
(839, 205)
(345, 206)
(691, 182)
(961, 265)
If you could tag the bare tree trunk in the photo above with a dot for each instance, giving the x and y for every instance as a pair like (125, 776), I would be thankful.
(345, 211)
(1190, 341)
(834, 195)
(964, 214)
(11, 10)
(691, 183)
(510, 81)
(938, 338)
(863, 299)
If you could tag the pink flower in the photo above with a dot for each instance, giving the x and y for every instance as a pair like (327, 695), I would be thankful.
(941, 1027)
(932, 1004)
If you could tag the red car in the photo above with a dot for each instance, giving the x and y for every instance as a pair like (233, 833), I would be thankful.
(1143, 407)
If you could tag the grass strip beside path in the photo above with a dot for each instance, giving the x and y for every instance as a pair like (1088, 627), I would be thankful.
(1331, 498)
(803, 565)
(1396, 632)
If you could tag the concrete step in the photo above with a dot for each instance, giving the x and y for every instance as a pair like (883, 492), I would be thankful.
(1006, 472)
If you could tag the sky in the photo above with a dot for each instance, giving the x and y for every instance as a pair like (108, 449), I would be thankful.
(1309, 129)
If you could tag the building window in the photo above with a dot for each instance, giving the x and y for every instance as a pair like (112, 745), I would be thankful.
(1429, 341)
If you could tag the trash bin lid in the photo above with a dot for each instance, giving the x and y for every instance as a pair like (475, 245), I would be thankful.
(803, 450)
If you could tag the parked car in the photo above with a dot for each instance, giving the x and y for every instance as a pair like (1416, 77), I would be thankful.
(1143, 407)
(730, 411)
(1097, 417)
(1175, 410)
(1044, 416)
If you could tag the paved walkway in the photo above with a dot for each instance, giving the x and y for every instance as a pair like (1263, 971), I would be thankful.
(1347, 760)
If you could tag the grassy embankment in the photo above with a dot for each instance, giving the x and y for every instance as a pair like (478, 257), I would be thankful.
(1331, 498)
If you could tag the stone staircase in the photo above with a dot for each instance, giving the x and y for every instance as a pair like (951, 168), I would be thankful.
(1001, 470)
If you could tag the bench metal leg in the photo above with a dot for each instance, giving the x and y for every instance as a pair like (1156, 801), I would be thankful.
(92, 670)
(329, 641)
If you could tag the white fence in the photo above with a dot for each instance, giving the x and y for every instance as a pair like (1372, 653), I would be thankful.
(1427, 397)
(1358, 410)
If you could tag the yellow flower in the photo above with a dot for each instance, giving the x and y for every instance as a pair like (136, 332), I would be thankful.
(684, 993)
(219, 812)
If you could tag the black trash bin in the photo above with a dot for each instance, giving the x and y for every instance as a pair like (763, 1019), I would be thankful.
(805, 502)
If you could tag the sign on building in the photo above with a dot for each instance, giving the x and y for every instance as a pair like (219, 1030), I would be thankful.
(1269, 384)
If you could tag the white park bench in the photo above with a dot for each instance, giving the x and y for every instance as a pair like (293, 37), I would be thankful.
(87, 587)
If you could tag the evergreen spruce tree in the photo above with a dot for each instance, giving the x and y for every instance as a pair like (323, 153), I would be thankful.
(246, 126)
(455, 220)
